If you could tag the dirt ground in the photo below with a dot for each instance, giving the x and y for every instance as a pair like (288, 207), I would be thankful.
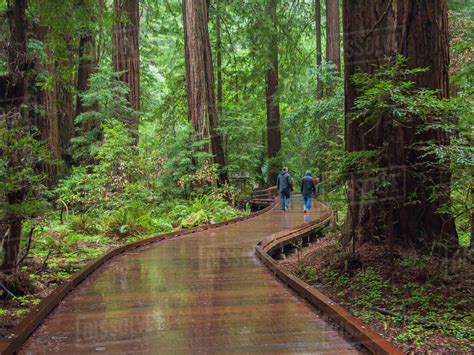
(422, 303)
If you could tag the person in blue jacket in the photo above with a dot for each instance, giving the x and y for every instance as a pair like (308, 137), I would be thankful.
(307, 189)
(285, 185)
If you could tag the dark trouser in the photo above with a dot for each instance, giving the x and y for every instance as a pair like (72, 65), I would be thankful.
(285, 199)
(307, 201)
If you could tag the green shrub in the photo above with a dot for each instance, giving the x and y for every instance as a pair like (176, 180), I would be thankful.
(20, 153)
(309, 273)
(82, 189)
(195, 219)
(131, 219)
(107, 181)
(210, 208)
(84, 223)
(54, 238)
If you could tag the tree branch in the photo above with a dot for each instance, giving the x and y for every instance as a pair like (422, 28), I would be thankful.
(379, 20)
(28, 247)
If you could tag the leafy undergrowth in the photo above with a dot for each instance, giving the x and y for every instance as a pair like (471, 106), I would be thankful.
(60, 249)
(421, 303)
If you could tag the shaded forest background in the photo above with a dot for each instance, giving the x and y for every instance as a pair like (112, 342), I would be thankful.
(119, 116)
(121, 119)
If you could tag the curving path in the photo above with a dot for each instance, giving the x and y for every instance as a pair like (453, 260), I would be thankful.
(201, 293)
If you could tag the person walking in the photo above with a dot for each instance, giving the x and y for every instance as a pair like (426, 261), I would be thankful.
(307, 189)
(285, 185)
(316, 182)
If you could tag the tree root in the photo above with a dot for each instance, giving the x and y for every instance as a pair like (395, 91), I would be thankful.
(10, 293)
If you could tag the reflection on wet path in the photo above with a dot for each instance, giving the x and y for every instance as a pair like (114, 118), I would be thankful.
(205, 292)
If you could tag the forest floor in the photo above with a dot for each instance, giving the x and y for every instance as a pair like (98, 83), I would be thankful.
(59, 249)
(41, 274)
(421, 303)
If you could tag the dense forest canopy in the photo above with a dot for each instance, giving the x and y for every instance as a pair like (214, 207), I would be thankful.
(131, 104)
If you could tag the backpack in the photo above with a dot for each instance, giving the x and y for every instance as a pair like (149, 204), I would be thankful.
(290, 182)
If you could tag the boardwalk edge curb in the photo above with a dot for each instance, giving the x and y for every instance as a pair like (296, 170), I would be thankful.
(12, 343)
(360, 332)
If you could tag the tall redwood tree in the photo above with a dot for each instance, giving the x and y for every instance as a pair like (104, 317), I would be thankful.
(201, 99)
(66, 98)
(333, 39)
(126, 52)
(87, 65)
(14, 98)
(417, 29)
(46, 117)
(65, 101)
(271, 95)
(219, 58)
(319, 51)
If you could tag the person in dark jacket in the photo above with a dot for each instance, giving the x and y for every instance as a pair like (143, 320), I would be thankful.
(307, 189)
(285, 185)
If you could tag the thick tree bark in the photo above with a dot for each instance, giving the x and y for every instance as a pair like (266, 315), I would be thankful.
(87, 65)
(219, 60)
(16, 88)
(88, 57)
(417, 29)
(65, 122)
(200, 79)
(271, 95)
(319, 50)
(125, 51)
(12, 101)
(471, 241)
(11, 246)
(333, 40)
(333, 55)
(46, 118)
(66, 107)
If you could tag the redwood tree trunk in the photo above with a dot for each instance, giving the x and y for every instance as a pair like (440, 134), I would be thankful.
(65, 121)
(125, 51)
(319, 51)
(200, 79)
(88, 52)
(11, 247)
(471, 242)
(219, 60)
(417, 29)
(87, 65)
(16, 88)
(272, 101)
(333, 47)
(14, 97)
(46, 120)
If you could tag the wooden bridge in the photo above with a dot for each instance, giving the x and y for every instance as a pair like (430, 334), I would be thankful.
(204, 292)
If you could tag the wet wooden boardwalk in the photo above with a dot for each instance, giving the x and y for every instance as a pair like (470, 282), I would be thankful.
(201, 293)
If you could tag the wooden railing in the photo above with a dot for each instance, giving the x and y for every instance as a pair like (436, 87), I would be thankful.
(265, 194)
(275, 242)
(263, 197)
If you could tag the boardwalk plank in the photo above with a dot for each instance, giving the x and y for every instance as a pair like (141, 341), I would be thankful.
(201, 293)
